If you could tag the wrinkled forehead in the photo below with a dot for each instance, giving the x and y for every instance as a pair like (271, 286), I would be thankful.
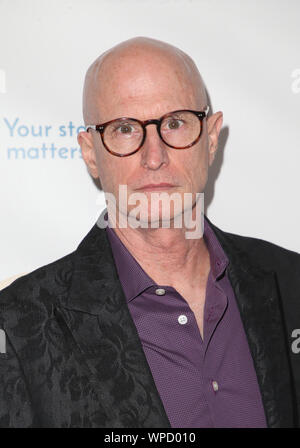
(142, 74)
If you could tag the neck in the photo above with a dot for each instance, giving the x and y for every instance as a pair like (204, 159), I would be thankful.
(167, 256)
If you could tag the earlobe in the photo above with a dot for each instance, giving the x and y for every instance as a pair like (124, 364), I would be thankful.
(212, 154)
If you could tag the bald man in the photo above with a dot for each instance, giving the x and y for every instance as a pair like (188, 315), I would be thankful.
(147, 323)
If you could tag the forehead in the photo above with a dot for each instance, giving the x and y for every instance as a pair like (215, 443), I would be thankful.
(141, 84)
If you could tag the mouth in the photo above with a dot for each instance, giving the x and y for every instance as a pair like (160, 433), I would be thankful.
(156, 187)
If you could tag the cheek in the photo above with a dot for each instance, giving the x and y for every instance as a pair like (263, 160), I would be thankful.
(105, 167)
(112, 172)
(197, 168)
(194, 161)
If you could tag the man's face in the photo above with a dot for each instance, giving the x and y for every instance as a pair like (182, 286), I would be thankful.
(146, 88)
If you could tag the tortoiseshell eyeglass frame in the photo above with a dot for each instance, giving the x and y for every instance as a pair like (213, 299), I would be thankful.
(101, 128)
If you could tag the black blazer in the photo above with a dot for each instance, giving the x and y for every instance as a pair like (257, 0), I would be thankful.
(74, 358)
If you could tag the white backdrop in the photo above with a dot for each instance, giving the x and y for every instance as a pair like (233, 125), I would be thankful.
(248, 53)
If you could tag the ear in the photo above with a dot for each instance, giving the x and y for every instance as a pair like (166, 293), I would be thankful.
(85, 140)
(214, 124)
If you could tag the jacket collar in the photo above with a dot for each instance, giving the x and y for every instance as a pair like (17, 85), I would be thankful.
(96, 290)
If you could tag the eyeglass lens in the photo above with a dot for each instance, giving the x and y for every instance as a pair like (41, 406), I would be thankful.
(180, 129)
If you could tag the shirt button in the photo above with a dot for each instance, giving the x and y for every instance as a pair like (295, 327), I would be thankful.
(182, 319)
(160, 292)
(215, 386)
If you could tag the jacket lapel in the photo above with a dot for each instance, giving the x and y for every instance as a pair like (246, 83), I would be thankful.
(259, 304)
(101, 329)
(98, 324)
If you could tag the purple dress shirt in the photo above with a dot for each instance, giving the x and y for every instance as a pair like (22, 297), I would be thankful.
(202, 383)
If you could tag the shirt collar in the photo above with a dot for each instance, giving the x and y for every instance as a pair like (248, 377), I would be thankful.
(135, 280)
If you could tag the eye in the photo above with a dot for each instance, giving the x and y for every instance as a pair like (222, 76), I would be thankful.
(125, 129)
(173, 124)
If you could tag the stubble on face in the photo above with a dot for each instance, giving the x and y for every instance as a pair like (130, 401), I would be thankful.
(143, 78)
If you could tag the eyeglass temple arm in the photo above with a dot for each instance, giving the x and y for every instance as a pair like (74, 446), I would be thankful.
(90, 126)
(206, 110)
(93, 126)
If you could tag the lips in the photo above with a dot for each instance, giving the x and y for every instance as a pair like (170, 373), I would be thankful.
(161, 186)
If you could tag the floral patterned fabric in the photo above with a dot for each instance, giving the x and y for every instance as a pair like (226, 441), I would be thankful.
(74, 359)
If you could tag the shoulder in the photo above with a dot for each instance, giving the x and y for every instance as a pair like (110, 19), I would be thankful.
(262, 250)
(37, 291)
(260, 258)
(256, 249)
(261, 254)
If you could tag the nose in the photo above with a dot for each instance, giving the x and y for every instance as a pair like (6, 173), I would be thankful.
(154, 152)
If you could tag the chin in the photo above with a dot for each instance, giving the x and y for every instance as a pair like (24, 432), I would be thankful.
(154, 217)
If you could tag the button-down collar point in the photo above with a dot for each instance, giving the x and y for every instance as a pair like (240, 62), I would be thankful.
(160, 291)
(182, 319)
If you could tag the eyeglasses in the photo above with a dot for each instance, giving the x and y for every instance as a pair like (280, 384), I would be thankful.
(124, 136)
